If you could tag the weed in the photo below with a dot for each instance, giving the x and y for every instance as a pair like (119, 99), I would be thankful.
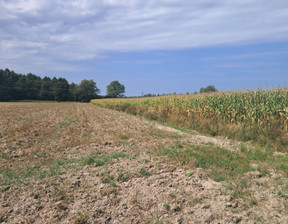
(60, 193)
(124, 137)
(23, 119)
(107, 178)
(167, 206)
(173, 196)
(16, 176)
(237, 193)
(146, 160)
(243, 184)
(67, 124)
(55, 170)
(253, 202)
(282, 194)
(88, 160)
(101, 160)
(188, 174)
(144, 172)
(218, 176)
(243, 148)
(4, 155)
(123, 176)
(113, 183)
(82, 218)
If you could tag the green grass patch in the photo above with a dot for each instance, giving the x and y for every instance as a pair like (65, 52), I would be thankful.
(16, 176)
(188, 174)
(67, 124)
(145, 172)
(223, 164)
(283, 194)
(104, 159)
(23, 118)
(88, 160)
(124, 137)
(4, 155)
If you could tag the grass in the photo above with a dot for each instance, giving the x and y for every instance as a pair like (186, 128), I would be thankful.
(23, 118)
(166, 206)
(67, 124)
(188, 174)
(124, 137)
(81, 218)
(4, 155)
(123, 176)
(16, 176)
(223, 165)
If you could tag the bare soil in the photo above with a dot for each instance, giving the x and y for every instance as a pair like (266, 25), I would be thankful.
(50, 174)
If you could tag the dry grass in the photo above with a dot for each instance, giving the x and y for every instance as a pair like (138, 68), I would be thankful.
(259, 116)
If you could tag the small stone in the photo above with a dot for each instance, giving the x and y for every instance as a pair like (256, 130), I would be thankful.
(206, 206)
(235, 205)
(177, 209)
(76, 184)
(108, 220)
(209, 218)
(230, 198)
(256, 174)
(229, 205)
(107, 143)
(180, 220)
(237, 219)
(61, 205)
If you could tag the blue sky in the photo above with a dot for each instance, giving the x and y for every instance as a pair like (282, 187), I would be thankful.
(152, 46)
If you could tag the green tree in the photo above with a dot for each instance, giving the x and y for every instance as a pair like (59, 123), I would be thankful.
(61, 89)
(73, 91)
(28, 87)
(46, 91)
(208, 89)
(5, 87)
(115, 89)
(87, 90)
(22, 87)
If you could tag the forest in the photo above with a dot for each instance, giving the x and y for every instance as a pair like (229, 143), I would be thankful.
(15, 87)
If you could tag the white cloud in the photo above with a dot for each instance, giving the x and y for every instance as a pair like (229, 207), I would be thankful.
(82, 29)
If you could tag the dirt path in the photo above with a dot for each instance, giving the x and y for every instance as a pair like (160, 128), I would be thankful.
(79, 163)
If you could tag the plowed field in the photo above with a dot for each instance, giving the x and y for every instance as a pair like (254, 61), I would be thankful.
(80, 163)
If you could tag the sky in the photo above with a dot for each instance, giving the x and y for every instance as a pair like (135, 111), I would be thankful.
(150, 46)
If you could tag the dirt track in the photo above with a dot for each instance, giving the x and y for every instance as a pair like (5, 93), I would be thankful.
(59, 145)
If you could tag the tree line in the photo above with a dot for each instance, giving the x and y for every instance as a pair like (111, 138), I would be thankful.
(14, 87)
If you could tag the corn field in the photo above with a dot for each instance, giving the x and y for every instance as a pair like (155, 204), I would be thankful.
(262, 111)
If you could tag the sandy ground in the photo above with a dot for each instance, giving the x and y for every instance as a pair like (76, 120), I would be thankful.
(135, 187)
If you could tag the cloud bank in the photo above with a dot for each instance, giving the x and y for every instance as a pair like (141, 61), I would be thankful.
(56, 32)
